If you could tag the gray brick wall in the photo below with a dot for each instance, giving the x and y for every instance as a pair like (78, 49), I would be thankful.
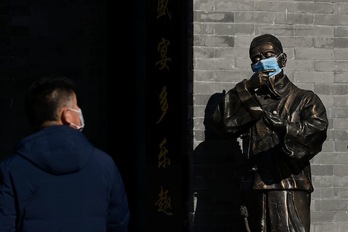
(314, 34)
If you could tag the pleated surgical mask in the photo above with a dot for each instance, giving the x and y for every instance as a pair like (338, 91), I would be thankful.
(80, 128)
(265, 64)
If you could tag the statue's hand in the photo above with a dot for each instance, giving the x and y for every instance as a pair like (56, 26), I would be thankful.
(258, 79)
(274, 122)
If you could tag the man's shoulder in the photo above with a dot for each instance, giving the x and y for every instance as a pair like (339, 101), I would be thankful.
(102, 157)
(12, 161)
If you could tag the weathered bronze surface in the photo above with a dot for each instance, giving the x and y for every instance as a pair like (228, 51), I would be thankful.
(282, 128)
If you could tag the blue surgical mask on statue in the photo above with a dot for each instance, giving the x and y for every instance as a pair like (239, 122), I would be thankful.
(80, 128)
(269, 63)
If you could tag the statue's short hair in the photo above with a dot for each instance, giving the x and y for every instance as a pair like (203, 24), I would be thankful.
(266, 39)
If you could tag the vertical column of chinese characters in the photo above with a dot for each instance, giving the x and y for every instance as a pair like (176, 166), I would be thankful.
(163, 203)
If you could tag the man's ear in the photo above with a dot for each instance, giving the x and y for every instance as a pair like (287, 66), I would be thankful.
(65, 116)
(283, 58)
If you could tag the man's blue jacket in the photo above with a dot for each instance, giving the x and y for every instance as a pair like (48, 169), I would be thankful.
(58, 181)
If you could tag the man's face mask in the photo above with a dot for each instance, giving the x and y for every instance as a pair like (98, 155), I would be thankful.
(80, 128)
(269, 63)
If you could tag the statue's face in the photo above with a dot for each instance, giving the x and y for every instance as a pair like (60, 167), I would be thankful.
(265, 51)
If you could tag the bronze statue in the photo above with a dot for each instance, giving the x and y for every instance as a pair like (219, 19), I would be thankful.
(282, 128)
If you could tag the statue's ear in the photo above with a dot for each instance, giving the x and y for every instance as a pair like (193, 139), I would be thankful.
(283, 58)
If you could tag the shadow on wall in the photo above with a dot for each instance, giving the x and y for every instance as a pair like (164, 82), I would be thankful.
(217, 171)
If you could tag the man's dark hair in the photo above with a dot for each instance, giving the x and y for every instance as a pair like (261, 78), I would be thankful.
(45, 96)
(266, 39)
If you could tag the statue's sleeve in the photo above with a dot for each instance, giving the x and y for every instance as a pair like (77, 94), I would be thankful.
(304, 137)
(237, 110)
